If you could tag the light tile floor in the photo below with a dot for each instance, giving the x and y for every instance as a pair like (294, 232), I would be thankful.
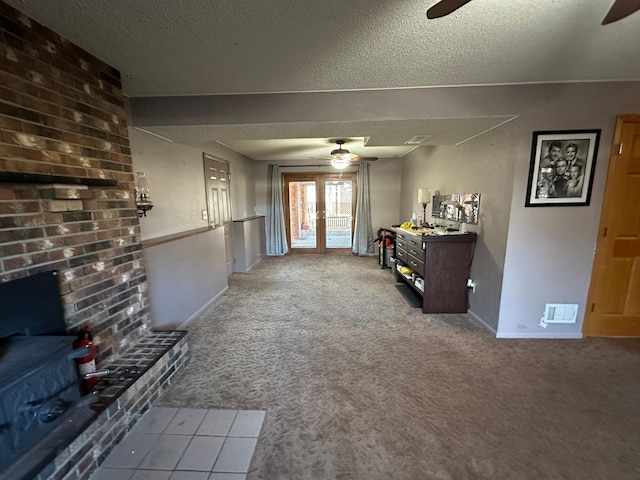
(186, 444)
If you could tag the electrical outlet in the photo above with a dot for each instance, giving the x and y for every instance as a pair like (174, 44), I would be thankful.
(472, 285)
(204, 215)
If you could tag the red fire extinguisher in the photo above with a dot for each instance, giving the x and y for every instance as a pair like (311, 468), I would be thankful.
(86, 364)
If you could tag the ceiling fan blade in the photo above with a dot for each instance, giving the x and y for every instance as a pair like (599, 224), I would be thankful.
(621, 9)
(364, 159)
(445, 7)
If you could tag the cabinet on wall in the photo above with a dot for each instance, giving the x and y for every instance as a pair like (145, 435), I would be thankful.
(439, 268)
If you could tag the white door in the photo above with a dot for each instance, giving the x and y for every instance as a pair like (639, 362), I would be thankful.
(217, 181)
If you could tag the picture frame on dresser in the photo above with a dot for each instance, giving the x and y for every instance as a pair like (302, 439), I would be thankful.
(562, 167)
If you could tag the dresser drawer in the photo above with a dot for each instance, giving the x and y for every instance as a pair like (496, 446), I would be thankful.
(415, 242)
(415, 264)
(415, 249)
(401, 244)
(402, 254)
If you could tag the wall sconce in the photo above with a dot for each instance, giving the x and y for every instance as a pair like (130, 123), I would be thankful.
(143, 198)
(424, 197)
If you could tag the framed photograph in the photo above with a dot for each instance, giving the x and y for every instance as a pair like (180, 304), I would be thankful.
(562, 166)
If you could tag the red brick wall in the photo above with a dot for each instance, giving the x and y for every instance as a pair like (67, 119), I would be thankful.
(62, 113)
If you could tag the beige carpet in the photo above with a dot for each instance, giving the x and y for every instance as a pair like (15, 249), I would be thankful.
(359, 385)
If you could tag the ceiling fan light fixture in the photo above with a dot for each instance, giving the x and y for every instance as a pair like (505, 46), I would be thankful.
(340, 161)
(341, 157)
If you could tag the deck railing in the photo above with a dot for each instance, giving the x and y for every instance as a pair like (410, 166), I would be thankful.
(338, 223)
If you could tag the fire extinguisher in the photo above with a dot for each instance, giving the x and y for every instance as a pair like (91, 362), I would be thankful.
(86, 364)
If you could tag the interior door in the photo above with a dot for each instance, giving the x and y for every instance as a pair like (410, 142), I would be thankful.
(320, 212)
(217, 180)
(613, 307)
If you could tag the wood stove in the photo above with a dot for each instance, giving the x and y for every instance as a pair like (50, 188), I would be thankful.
(41, 407)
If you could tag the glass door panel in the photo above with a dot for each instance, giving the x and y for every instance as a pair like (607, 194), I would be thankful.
(303, 214)
(319, 211)
(338, 202)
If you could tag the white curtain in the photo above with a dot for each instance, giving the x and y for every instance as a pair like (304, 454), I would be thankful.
(276, 233)
(363, 234)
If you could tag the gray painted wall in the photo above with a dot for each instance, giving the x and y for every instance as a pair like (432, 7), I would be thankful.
(548, 252)
(249, 242)
(187, 274)
(482, 165)
(176, 180)
(176, 183)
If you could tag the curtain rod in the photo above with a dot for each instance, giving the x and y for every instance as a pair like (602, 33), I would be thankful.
(298, 166)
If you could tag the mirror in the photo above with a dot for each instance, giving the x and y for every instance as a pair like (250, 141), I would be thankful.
(457, 207)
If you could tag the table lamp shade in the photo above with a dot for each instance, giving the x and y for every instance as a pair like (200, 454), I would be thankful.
(424, 195)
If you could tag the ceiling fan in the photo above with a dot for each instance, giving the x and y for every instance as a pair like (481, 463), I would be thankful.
(341, 158)
(619, 10)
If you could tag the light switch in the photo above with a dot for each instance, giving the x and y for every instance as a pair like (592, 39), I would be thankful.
(204, 215)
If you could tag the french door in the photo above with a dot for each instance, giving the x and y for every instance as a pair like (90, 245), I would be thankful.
(319, 212)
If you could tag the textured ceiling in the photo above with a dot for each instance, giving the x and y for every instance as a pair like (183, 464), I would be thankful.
(196, 47)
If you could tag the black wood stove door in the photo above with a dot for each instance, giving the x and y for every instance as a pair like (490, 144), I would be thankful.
(31, 306)
(39, 384)
(38, 377)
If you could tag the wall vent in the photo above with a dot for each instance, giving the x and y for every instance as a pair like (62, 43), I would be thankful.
(560, 312)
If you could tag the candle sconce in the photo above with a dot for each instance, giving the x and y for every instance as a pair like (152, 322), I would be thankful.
(143, 197)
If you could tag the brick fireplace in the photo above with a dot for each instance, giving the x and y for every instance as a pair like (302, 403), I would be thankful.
(67, 194)
(63, 127)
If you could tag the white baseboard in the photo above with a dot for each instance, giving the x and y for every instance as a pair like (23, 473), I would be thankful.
(481, 322)
(201, 310)
(538, 335)
(522, 334)
(255, 263)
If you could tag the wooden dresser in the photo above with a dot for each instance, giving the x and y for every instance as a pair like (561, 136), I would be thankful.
(440, 266)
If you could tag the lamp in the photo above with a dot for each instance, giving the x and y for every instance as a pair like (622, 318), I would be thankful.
(424, 197)
(143, 198)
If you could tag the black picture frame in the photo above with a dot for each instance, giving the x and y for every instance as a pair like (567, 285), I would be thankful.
(551, 185)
